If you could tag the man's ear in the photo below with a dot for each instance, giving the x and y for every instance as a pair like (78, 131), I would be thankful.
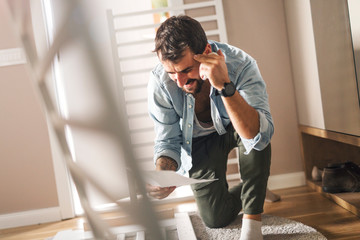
(207, 49)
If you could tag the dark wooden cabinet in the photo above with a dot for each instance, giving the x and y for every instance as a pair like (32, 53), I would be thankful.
(321, 147)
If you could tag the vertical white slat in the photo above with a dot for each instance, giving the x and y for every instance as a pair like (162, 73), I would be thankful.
(163, 232)
(139, 123)
(120, 236)
(176, 3)
(138, 63)
(137, 108)
(221, 21)
(135, 94)
(140, 235)
(184, 227)
(145, 137)
(115, 55)
(136, 80)
(144, 152)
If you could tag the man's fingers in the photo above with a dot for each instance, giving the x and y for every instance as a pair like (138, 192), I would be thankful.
(159, 192)
(207, 58)
(219, 52)
(171, 189)
(157, 195)
(202, 58)
(151, 188)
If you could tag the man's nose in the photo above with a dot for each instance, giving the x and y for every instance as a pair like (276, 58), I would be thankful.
(181, 79)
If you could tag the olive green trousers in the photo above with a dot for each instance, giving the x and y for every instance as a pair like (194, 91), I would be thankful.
(217, 204)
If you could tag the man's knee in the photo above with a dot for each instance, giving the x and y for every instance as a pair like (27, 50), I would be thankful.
(212, 220)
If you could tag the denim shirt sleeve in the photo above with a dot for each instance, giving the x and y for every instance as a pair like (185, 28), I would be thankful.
(252, 88)
(168, 138)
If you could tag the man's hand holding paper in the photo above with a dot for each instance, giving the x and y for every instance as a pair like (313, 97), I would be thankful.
(162, 183)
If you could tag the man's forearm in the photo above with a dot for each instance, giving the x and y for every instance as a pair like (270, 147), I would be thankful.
(244, 118)
(166, 163)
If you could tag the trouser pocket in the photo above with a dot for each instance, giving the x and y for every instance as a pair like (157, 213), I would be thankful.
(201, 189)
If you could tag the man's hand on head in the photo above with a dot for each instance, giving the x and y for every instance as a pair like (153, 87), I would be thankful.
(162, 163)
(213, 67)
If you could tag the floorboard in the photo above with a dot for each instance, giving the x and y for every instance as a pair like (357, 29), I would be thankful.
(301, 204)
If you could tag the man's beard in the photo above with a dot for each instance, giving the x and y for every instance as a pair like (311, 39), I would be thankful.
(199, 84)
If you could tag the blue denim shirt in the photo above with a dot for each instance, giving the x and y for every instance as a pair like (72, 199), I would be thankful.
(173, 110)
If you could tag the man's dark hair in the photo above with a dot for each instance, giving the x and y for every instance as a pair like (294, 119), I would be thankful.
(178, 33)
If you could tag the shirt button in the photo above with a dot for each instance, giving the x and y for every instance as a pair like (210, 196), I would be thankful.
(189, 125)
(190, 106)
(187, 142)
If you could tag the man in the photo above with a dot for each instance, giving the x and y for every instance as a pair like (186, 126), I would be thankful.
(205, 99)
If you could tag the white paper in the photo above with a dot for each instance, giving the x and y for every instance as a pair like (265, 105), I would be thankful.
(170, 179)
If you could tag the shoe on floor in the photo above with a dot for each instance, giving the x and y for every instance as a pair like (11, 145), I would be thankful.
(316, 174)
(342, 177)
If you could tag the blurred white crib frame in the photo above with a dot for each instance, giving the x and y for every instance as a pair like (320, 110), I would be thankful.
(114, 123)
(213, 13)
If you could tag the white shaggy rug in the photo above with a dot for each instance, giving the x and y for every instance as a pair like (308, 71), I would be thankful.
(273, 228)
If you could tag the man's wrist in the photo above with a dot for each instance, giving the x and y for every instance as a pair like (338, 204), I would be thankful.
(166, 163)
(228, 90)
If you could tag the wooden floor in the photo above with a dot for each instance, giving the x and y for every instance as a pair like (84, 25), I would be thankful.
(301, 204)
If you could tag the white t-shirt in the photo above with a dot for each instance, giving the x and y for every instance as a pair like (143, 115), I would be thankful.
(202, 129)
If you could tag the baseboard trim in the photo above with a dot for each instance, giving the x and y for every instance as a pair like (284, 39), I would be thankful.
(280, 181)
(287, 180)
(31, 217)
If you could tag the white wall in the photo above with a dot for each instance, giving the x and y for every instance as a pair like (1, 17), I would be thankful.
(259, 28)
(323, 65)
(304, 62)
(27, 179)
